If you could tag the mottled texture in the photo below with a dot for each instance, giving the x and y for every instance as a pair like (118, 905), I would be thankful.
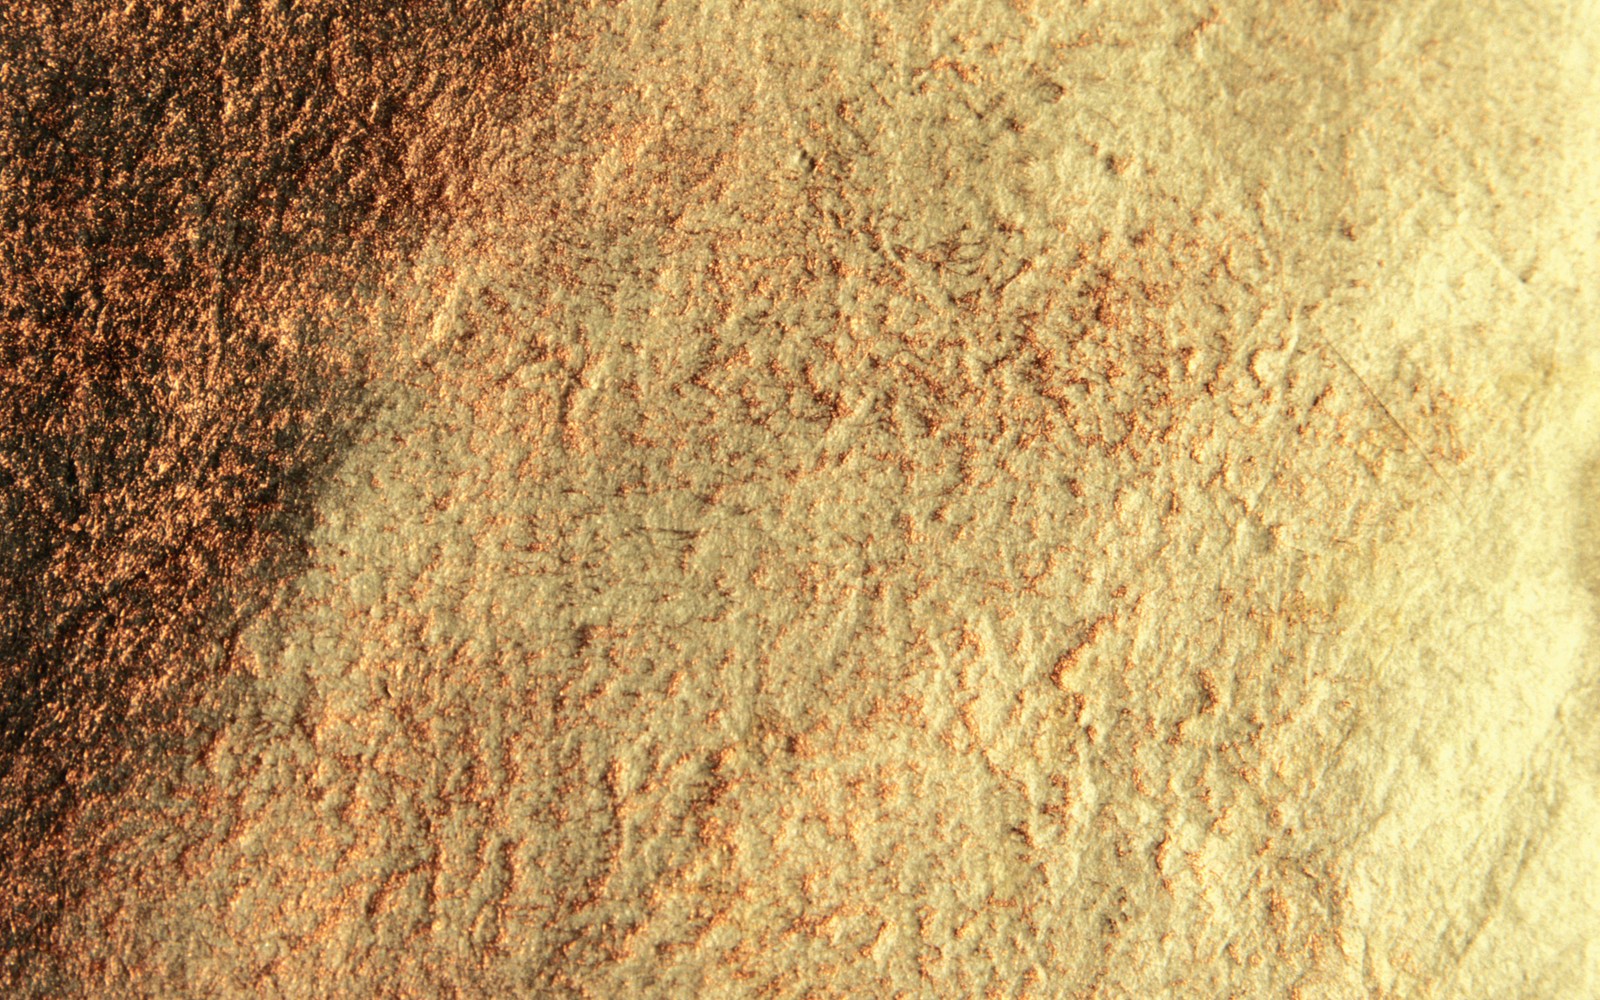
(969, 500)
(190, 197)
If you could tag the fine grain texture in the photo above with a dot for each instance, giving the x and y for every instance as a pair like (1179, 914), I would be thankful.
(802, 500)
(190, 200)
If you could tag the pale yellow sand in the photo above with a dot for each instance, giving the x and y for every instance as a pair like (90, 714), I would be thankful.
(977, 500)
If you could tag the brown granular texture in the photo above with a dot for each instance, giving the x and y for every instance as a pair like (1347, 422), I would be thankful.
(806, 558)
(830, 500)
(189, 194)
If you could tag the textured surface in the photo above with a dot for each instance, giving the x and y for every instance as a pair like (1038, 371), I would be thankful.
(985, 500)
(191, 200)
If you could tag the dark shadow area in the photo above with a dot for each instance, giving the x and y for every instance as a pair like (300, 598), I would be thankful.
(191, 198)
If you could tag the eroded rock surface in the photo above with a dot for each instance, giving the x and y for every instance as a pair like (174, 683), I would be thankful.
(985, 500)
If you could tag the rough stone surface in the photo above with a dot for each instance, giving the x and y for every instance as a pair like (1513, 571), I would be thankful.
(951, 500)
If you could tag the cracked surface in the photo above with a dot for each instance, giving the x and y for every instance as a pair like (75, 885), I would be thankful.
(983, 501)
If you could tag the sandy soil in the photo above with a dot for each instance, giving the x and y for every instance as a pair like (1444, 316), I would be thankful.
(961, 500)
